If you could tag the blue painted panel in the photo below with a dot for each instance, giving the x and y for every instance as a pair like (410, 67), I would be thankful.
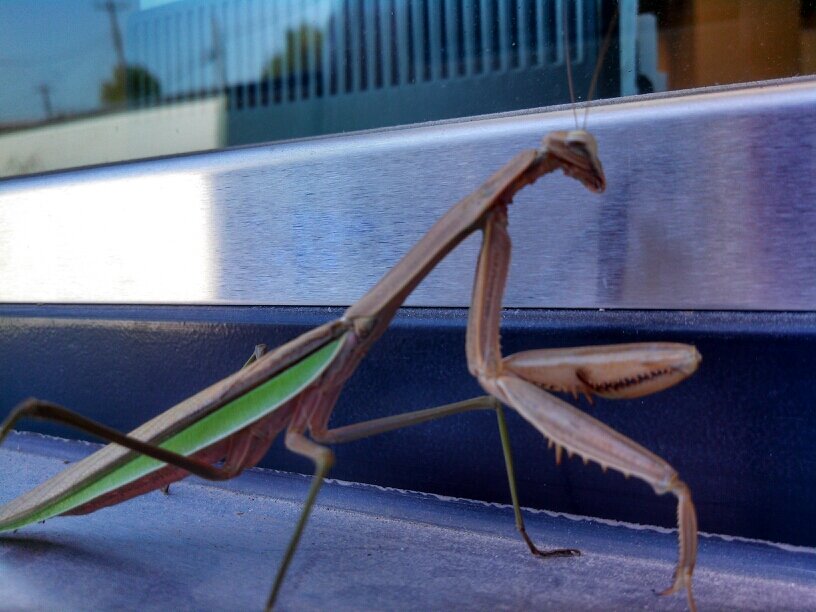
(740, 431)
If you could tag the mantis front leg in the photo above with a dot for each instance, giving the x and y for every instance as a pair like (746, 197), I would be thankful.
(616, 371)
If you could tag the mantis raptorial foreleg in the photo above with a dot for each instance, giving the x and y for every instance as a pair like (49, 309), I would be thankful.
(611, 369)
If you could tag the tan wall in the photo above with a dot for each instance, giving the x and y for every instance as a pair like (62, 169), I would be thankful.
(808, 57)
(710, 42)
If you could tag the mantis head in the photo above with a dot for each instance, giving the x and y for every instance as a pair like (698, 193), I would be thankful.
(577, 154)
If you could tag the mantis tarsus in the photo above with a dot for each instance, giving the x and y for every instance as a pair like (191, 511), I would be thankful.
(295, 386)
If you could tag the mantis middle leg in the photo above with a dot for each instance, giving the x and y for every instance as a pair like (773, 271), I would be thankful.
(357, 431)
(323, 459)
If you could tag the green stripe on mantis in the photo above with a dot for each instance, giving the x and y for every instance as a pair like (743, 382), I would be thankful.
(232, 417)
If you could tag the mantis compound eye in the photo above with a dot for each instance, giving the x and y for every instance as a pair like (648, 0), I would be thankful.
(577, 153)
(583, 160)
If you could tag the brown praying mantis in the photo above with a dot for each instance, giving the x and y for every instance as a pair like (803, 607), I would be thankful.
(228, 427)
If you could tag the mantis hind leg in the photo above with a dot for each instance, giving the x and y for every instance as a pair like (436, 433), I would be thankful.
(42, 410)
(238, 447)
(260, 351)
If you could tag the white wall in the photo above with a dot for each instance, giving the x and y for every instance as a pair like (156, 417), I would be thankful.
(179, 128)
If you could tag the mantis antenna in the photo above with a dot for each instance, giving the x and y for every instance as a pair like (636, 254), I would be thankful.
(567, 53)
(598, 64)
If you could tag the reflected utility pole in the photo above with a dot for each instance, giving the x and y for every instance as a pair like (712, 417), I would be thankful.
(217, 54)
(45, 92)
(113, 8)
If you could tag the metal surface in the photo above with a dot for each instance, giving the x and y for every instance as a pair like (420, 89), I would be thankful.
(739, 432)
(206, 547)
(710, 205)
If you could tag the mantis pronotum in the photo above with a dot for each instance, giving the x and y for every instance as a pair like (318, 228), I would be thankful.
(224, 429)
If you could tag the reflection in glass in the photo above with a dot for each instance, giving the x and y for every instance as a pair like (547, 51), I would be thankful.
(92, 81)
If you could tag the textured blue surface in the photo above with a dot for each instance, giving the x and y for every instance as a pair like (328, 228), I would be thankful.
(209, 547)
(740, 431)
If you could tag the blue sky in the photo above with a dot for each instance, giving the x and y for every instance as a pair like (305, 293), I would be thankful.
(66, 45)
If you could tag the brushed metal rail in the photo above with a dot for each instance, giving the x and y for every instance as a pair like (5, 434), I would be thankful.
(710, 206)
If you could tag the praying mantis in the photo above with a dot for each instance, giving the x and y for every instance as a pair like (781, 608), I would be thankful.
(228, 427)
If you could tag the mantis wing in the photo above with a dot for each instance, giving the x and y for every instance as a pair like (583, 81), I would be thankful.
(113, 466)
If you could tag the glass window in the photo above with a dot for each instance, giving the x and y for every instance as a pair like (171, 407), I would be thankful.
(94, 81)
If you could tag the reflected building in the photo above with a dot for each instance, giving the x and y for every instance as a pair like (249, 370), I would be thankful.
(291, 69)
